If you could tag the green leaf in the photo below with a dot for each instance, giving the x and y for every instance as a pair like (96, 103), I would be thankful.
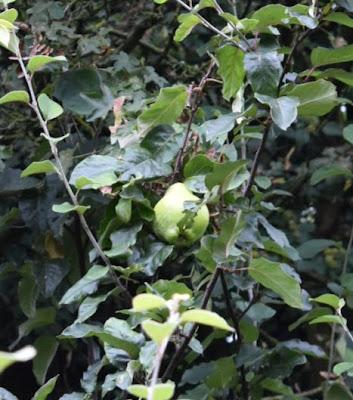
(28, 291)
(42, 317)
(90, 304)
(343, 367)
(23, 355)
(264, 69)
(15, 96)
(205, 317)
(39, 167)
(327, 319)
(123, 210)
(272, 14)
(275, 276)
(329, 171)
(316, 98)
(147, 301)
(66, 207)
(37, 62)
(43, 392)
(337, 390)
(217, 129)
(231, 69)
(328, 299)
(187, 23)
(337, 74)
(160, 1)
(312, 248)
(9, 15)
(49, 108)
(46, 347)
(340, 18)
(284, 110)
(168, 107)
(87, 285)
(348, 133)
(157, 331)
(229, 175)
(346, 4)
(322, 56)
(161, 391)
(122, 240)
(198, 165)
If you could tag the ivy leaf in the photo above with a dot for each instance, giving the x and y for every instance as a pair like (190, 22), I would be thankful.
(187, 24)
(97, 170)
(90, 304)
(321, 56)
(43, 317)
(169, 105)
(39, 167)
(316, 98)
(231, 69)
(9, 15)
(275, 276)
(15, 96)
(49, 108)
(205, 317)
(37, 62)
(264, 69)
(88, 284)
(329, 171)
(82, 91)
(43, 392)
(122, 240)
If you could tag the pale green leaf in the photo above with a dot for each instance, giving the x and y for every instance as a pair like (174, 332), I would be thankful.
(43, 392)
(147, 301)
(37, 62)
(38, 167)
(66, 207)
(161, 391)
(49, 108)
(205, 317)
(329, 299)
(340, 18)
(343, 367)
(9, 15)
(327, 319)
(158, 331)
(187, 23)
(15, 96)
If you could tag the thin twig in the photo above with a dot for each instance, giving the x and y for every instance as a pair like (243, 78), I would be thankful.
(62, 175)
(348, 252)
(306, 393)
(177, 356)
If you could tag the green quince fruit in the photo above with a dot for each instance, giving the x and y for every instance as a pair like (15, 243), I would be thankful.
(169, 213)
